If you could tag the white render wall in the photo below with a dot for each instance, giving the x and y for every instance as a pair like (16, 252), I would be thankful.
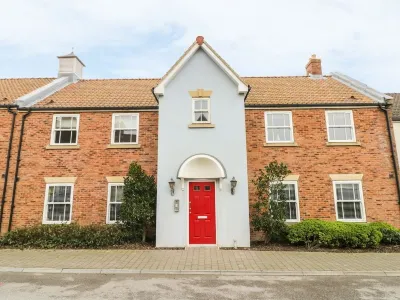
(226, 142)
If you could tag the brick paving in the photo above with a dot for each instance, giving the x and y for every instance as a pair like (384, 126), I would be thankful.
(201, 259)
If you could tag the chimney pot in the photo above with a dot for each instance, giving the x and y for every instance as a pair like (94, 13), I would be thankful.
(314, 66)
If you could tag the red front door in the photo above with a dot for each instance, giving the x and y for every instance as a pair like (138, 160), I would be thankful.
(202, 213)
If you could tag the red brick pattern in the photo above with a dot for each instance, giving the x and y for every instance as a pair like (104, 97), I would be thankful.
(91, 163)
(313, 160)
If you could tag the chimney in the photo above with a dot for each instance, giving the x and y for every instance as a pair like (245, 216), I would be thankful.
(313, 66)
(70, 66)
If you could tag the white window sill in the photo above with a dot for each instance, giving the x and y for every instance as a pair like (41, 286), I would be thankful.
(55, 223)
(289, 144)
(343, 144)
(65, 147)
(123, 146)
(351, 221)
(201, 125)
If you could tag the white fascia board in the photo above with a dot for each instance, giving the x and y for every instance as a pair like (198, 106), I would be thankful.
(160, 88)
(242, 88)
(361, 87)
(43, 92)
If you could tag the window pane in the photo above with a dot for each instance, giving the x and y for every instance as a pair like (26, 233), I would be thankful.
(117, 211)
(269, 120)
(68, 194)
(66, 123)
(120, 193)
(50, 212)
(65, 137)
(339, 192)
(278, 120)
(204, 104)
(292, 193)
(358, 210)
(61, 212)
(51, 194)
(348, 209)
(339, 119)
(125, 136)
(291, 211)
(330, 119)
(348, 193)
(198, 117)
(207, 188)
(349, 133)
(58, 123)
(356, 191)
(117, 122)
(113, 193)
(127, 122)
(338, 133)
(278, 134)
(196, 188)
(59, 193)
(112, 212)
(74, 122)
(347, 117)
(204, 117)
(340, 210)
(197, 104)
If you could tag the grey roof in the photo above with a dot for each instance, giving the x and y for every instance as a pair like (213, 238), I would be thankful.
(396, 105)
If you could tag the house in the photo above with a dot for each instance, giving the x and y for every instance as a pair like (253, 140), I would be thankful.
(204, 132)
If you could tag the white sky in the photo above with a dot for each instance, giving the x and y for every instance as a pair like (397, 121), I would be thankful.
(131, 38)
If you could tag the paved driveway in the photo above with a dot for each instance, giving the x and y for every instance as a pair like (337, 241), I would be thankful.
(16, 286)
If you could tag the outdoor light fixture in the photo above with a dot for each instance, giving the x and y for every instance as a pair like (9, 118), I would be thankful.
(233, 185)
(172, 186)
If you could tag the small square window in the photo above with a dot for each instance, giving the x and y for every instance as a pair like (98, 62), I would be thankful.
(65, 130)
(201, 110)
(340, 126)
(196, 188)
(125, 128)
(207, 188)
(279, 127)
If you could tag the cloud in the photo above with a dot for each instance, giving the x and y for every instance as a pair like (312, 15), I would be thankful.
(125, 38)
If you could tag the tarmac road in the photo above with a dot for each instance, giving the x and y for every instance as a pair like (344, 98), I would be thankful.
(32, 286)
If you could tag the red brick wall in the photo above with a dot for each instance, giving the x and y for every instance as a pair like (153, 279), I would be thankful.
(90, 164)
(313, 160)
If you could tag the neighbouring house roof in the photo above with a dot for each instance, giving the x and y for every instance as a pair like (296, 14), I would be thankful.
(396, 105)
(264, 91)
(13, 88)
(104, 93)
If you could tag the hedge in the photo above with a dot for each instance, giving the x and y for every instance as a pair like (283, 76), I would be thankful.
(68, 236)
(390, 234)
(313, 233)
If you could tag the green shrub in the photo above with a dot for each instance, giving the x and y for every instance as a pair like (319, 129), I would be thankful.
(390, 234)
(314, 233)
(67, 236)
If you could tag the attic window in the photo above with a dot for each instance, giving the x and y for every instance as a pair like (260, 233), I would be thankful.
(201, 110)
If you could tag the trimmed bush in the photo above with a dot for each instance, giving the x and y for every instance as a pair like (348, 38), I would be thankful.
(67, 236)
(390, 234)
(314, 233)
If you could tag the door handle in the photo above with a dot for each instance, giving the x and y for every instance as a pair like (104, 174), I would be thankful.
(201, 217)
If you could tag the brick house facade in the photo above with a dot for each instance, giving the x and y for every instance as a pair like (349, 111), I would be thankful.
(94, 163)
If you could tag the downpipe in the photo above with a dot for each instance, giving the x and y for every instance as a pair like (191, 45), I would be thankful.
(16, 178)
(7, 170)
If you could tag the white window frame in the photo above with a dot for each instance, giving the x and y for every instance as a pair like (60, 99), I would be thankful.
(110, 185)
(44, 220)
(327, 112)
(359, 182)
(53, 129)
(289, 113)
(296, 190)
(201, 110)
(113, 128)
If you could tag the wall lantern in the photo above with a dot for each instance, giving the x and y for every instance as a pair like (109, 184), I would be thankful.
(172, 186)
(233, 185)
